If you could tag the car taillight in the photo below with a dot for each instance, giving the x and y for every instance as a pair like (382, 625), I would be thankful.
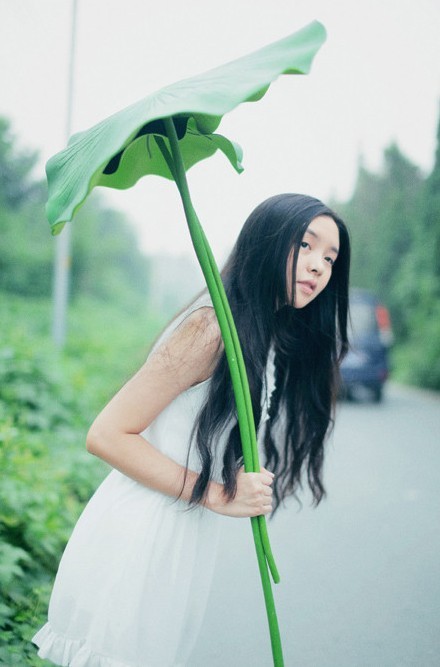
(384, 324)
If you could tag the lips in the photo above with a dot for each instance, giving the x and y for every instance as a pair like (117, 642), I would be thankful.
(307, 286)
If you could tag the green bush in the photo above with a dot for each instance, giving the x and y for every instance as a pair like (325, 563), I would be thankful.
(47, 401)
(45, 480)
(418, 361)
(39, 505)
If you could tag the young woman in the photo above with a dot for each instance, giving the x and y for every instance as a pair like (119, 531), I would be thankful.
(133, 582)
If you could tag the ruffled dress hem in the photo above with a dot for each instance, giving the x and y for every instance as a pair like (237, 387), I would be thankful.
(74, 652)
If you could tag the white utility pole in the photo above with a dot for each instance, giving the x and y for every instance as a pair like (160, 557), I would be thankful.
(63, 240)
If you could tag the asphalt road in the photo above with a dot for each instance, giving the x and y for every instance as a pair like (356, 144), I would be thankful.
(360, 575)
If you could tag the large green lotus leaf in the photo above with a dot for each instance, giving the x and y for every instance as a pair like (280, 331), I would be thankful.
(122, 148)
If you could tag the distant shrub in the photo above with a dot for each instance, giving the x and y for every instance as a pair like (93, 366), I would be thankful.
(418, 361)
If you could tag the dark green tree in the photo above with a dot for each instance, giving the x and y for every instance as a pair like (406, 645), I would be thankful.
(385, 217)
(26, 253)
(431, 216)
(106, 261)
(420, 282)
(16, 182)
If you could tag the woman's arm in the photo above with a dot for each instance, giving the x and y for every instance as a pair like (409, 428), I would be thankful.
(186, 358)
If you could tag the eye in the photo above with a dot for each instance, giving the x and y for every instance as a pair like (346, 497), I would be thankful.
(304, 244)
(330, 260)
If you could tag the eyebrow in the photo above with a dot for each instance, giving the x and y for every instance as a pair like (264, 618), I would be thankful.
(310, 231)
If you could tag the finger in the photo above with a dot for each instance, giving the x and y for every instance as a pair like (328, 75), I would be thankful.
(267, 474)
(267, 478)
(265, 509)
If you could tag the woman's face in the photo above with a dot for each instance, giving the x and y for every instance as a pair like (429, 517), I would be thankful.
(317, 253)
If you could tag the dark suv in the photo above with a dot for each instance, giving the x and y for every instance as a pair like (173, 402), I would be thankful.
(365, 368)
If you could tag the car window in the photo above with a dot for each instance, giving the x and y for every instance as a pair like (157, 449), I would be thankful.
(363, 319)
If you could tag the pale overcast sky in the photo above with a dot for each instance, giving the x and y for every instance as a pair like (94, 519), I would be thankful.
(376, 80)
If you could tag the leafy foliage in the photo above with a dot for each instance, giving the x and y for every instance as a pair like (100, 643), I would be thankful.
(16, 183)
(39, 498)
(46, 405)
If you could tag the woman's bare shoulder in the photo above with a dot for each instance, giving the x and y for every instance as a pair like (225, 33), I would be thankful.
(192, 351)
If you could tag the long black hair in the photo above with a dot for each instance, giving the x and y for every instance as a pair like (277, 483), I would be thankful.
(308, 343)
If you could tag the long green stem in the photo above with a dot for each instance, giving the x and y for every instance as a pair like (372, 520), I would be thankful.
(249, 412)
(238, 375)
(248, 402)
(177, 169)
(250, 454)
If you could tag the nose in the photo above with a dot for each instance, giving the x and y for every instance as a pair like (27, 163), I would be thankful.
(315, 264)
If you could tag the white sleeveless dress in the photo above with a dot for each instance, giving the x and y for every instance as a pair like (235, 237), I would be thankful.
(134, 580)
